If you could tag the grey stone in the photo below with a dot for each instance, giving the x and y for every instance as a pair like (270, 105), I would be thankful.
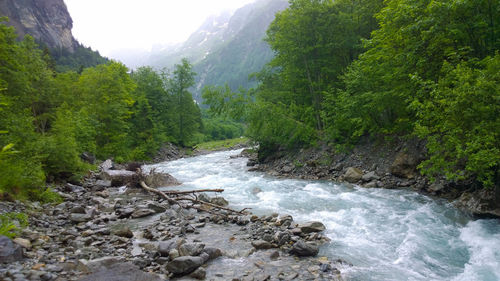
(124, 231)
(164, 247)
(120, 272)
(212, 253)
(220, 201)
(140, 213)
(261, 245)
(353, 175)
(156, 207)
(191, 249)
(184, 265)
(80, 218)
(314, 226)
(303, 249)
(200, 273)
(370, 176)
(25, 243)
(9, 251)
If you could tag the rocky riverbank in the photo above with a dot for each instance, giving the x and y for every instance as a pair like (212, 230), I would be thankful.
(102, 232)
(392, 164)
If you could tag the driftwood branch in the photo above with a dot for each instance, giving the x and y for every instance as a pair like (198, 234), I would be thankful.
(175, 192)
(177, 199)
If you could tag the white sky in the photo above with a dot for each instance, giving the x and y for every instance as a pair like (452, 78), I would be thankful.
(108, 25)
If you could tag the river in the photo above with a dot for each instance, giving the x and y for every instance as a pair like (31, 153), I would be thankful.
(385, 234)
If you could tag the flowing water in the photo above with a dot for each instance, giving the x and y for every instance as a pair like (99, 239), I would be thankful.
(385, 234)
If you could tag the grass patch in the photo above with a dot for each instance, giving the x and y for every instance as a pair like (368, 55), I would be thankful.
(221, 144)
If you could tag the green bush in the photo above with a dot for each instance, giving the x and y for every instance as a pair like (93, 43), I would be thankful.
(12, 223)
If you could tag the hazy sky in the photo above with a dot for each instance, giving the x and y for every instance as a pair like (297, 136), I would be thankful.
(108, 25)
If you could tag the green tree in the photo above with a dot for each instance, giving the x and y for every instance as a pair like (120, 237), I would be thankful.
(187, 113)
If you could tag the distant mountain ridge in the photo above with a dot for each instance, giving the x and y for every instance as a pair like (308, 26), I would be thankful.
(227, 48)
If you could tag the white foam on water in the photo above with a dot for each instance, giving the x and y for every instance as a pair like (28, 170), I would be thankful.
(385, 234)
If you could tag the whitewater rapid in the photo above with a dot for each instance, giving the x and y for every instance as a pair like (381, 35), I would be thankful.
(384, 234)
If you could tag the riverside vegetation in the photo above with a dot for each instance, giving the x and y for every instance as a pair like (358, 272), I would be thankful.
(346, 71)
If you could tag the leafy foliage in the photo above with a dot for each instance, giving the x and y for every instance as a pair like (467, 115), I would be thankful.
(12, 223)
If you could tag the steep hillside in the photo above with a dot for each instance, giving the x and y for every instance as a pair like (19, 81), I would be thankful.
(50, 23)
(226, 48)
(47, 21)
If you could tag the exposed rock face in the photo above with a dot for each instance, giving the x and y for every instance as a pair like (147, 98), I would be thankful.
(47, 21)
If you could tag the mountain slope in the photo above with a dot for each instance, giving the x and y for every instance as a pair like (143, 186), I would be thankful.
(50, 23)
(226, 48)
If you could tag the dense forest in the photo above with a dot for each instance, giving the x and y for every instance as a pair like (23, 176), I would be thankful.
(51, 118)
(345, 70)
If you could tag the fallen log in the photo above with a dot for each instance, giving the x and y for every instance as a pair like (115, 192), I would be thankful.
(175, 192)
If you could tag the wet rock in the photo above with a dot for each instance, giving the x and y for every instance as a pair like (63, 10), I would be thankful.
(204, 197)
(120, 272)
(404, 165)
(371, 184)
(103, 183)
(9, 251)
(274, 255)
(184, 265)
(200, 273)
(140, 213)
(77, 218)
(87, 266)
(119, 177)
(256, 190)
(173, 254)
(484, 202)
(158, 179)
(191, 249)
(284, 220)
(156, 207)
(212, 253)
(353, 175)
(164, 247)
(106, 165)
(124, 213)
(282, 237)
(314, 226)
(370, 176)
(124, 231)
(303, 249)
(261, 245)
(220, 201)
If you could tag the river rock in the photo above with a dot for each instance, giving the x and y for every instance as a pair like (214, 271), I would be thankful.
(77, 218)
(9, 251)
(200, 273)
(119, 177)
(164, 247)
(191, 249)
(106, 165)
(353, 175)
(404, 165)
(140, 213)
(261, 245)
(184, 265)
(124, 231)
(121, 272)
(220, 201)
(25, 243)
(314, 226)
(484, 202)
(157, 179)
(94, 265)
(370, 176)
(303, 249)
(204, 197)
(212, 253)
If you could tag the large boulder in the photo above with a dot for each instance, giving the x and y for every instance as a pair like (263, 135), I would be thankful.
(120, 177)
(185, 265)
(140, 213)
(484, 202)
(314, 226)
(219, 201)
(303, 249)
(158, 179)
(404, 165)
(353, 175)
(120, 272)
(9, 251)
(191, 249)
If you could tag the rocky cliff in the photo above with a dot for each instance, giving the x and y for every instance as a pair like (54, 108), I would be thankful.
(48, 21)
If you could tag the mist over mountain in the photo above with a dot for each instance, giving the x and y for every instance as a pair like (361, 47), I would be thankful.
(227, 48)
